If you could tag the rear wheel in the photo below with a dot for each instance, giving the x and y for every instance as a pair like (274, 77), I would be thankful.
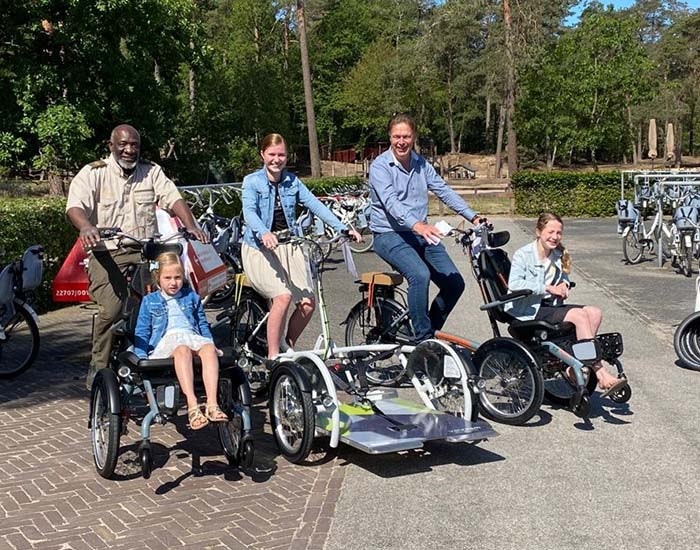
(105, 427)
(687, 260)
(632, 249)
(510, 381)
(385, 323)
(291, 414)
(20, 344)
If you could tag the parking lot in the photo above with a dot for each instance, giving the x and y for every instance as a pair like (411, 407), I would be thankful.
(626, 478)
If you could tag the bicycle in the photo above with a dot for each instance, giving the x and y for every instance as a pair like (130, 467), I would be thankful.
(304, 387)
(147, 389)
(19, 330)
(510, 385)
(352, 209)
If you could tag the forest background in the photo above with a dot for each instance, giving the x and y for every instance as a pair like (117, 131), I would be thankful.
(205, 80)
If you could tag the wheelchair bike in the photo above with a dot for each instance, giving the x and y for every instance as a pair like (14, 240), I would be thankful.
(146, 390)
(325, 392)
(554, 346)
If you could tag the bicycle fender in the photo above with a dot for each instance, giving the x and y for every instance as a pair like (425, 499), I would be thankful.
(112, 388)
(299, 374)
(626, 231)
(27, 308)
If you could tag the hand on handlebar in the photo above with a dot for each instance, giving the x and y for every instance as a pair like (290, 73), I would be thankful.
(90, 236)
(355, 235)
(199, 234)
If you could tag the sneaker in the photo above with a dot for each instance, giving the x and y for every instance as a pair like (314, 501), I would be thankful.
(92, 372)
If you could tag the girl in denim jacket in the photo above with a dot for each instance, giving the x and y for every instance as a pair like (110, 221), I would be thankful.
(171, 323)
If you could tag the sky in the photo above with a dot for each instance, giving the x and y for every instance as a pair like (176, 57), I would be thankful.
(620, 4)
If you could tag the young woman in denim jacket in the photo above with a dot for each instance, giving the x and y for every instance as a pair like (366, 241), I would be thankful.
(279, 272)
(543, 266)
(171, 323)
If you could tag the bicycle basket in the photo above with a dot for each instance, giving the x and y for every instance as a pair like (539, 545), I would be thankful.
(626, 212)
(685, 218)
(32, 267)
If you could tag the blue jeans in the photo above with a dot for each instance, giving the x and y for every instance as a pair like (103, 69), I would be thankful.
(420, 263)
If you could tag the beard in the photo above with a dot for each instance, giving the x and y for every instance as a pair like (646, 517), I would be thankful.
(125, 164)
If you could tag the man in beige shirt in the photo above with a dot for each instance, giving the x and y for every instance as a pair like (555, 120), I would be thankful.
(120, 191)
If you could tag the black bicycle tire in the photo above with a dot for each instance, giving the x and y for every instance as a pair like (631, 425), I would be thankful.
(21, 311)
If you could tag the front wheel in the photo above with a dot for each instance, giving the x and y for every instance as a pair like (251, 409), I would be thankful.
(510, 381)
(105, 426)
(20, 344)
(385, 323)
(292, 414)
(632, 249)
(686, 341)
(687, 265)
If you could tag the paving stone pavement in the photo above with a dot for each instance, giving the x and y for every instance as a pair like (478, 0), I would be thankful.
(52, 498)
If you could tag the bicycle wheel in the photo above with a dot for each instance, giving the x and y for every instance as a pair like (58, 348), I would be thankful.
(248, 330)
(513, 388)
(687, 262)
(105, 427)
(632, 249)
(292, 414)
(367, 241)
(686, 342)
(20, 345)
(385, 323)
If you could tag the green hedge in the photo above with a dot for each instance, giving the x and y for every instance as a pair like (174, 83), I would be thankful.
(28, 221)
(568, 194)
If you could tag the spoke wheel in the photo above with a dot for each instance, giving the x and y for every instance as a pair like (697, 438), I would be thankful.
(385, 323)
(222, 294)
(248, 336)
(105, 429)
(632, 249)
(19, 348)
(511, 384)
(292, 415)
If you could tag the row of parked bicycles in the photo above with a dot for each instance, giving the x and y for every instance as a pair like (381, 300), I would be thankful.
(646, 233)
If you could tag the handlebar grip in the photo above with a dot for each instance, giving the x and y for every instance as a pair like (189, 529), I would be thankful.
(108, 232)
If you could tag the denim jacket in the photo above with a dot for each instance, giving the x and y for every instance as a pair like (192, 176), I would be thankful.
(259, 205)
(152, 321)
(527, 271)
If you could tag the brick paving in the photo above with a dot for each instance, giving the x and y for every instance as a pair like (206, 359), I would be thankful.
(51, 497)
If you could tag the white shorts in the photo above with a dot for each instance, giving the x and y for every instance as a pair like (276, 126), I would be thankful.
(176, 338)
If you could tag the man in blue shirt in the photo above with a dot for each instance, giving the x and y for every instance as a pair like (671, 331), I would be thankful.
(399, 181)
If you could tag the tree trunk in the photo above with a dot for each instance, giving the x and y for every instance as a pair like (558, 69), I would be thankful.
(191, 83)
(691, 129)
(314, 154)
(487, 126)
(512, 145)
(499, 139)
(55, 184)
(630, 126)
(639, 142)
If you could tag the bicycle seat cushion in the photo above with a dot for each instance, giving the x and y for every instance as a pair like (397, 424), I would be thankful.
(152, 250)
(527, 330)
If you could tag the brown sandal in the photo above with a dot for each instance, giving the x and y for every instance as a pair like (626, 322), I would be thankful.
(215, 414)
(196, 418)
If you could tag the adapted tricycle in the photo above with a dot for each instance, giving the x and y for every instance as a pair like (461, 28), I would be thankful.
(146, 390)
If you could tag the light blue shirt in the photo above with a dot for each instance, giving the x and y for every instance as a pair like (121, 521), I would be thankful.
(258, 199)
(528, 271)
(400, 197)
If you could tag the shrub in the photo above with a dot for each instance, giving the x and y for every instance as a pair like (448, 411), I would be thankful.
(567, 194)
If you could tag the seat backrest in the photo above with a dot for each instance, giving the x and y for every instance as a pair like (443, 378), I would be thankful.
(494, 266)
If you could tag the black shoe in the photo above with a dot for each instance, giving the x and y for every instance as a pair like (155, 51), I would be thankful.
(92, 372)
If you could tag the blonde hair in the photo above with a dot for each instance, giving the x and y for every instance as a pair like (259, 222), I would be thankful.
(270, 140)
(542, 221)
(166, 259)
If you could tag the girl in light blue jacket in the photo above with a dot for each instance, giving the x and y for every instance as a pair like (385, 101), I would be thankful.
(543, 266)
